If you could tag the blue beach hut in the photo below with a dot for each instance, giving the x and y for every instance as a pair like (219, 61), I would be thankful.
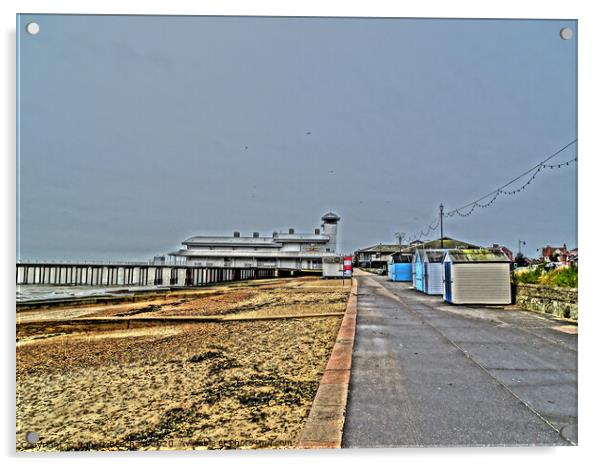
(400, 267)
(418, 278)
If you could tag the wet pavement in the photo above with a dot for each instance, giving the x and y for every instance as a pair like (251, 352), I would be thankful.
(426, 373)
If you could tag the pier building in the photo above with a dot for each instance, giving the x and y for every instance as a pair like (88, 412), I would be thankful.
(287, 250)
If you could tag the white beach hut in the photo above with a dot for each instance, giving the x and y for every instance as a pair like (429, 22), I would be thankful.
(433, 271)
(476, 276)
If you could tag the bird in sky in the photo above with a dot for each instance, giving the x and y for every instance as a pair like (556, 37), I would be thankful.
(308, 133)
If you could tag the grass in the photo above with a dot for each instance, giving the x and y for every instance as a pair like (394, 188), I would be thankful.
(564, 277)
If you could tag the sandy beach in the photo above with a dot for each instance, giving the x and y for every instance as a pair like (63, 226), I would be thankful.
(206, 385)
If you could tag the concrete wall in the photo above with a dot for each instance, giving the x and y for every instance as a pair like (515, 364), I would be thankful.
(559, 302)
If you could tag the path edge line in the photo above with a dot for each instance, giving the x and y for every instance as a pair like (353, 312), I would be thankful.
(324, 425)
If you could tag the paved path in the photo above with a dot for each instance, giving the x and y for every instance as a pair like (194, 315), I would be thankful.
(426, 373)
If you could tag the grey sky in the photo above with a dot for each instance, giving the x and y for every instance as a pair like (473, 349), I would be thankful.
(134, 130)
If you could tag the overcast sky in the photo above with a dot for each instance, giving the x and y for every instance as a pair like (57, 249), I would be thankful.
(138, 132)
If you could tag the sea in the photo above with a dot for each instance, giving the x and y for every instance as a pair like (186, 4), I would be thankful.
(45, 292)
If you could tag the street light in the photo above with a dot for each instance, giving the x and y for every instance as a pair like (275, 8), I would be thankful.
(400, 237)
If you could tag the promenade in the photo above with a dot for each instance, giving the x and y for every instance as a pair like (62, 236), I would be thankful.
(426, 373)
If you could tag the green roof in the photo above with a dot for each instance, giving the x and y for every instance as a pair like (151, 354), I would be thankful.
(478, 255)
(448, 243)
(390, 248)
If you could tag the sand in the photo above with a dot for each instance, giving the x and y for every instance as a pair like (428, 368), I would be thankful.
(246, 384)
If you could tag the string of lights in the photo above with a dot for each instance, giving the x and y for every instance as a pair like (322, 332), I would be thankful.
(423, 233)
(493, 195)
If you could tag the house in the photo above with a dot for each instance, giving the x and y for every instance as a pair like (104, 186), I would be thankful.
(555, 253)
(377, 256)
(573, 256)
(506, 251)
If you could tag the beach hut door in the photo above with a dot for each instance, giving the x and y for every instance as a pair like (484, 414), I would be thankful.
(448, 281)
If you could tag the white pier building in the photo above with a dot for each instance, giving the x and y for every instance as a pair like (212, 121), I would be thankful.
(298, 251)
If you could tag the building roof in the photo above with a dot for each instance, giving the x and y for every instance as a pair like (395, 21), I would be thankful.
(383, 248)
(331, 216)
(477, 255)
(231, 241)
(302, 237)
(263, 241)
(272, 254)
(448, 243)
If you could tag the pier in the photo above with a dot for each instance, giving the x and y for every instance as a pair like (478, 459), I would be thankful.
(137, 274)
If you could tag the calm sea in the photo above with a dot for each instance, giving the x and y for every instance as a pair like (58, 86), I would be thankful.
(35, 292)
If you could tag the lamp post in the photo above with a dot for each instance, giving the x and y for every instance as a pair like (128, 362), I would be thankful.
(400, 237)
(521, 242)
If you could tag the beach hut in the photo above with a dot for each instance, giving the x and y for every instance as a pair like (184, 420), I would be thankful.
(432, 266)
(476, 276)
(418, 276)
(400, 267)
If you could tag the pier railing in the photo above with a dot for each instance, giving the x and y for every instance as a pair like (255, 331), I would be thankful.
(136, 274)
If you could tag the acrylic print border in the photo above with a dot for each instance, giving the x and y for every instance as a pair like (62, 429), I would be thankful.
(557, 9)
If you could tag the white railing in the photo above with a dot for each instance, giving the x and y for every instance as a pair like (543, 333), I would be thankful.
(83, 262)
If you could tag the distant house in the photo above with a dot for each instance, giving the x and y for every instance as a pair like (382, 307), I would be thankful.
(377, 256)
(556, 254)
(573, 256)
(505, 250)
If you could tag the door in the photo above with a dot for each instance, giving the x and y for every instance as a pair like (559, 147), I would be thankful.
(448, 296)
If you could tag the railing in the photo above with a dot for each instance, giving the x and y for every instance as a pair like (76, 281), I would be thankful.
(86, 262)
(134, 274)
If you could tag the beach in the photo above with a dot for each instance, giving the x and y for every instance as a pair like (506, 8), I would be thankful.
(147, 375)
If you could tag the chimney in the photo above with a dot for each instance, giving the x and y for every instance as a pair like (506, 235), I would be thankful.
(274, 234)
(237, 234)
(255, 234)
(317, 231)
(291, 231)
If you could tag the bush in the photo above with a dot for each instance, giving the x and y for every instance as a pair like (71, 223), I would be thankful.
(562, 277)
(529, 276)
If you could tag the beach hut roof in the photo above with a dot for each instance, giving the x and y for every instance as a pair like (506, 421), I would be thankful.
(434, 255)
(399, 257)
(477, 255)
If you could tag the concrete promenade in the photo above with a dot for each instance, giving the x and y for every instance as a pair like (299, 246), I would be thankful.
(426, 373)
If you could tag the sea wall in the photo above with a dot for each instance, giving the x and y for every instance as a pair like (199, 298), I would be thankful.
(559, 302)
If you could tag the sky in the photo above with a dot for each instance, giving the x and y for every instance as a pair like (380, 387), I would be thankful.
(137, 132)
